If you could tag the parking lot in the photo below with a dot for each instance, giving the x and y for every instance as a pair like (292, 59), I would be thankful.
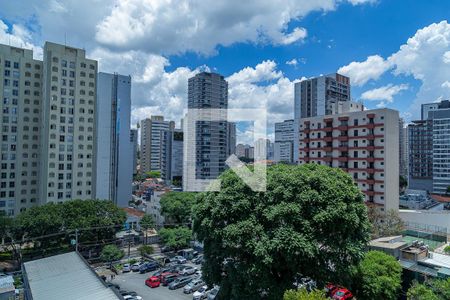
(134, 281)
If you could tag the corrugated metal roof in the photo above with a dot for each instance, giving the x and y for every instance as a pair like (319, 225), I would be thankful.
(65, 276)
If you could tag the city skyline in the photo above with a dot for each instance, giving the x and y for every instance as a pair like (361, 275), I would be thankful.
(307, 42)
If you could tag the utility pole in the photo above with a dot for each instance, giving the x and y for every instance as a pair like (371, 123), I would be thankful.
(76, 240)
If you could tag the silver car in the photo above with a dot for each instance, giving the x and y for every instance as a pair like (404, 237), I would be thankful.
(193, 286)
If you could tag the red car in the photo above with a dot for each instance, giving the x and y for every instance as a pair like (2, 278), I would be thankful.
(331, 289)
(153, 282)
(342, 294)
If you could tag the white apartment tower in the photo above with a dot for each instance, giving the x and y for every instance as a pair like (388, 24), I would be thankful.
(68, 124)
(20, 89)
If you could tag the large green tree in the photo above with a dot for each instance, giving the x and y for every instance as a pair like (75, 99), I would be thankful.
(378, 276)
(177, 238)
(96, 220)
(433, 289)
(311, 220)
(176, 207)
(147, 222)
(111, 253)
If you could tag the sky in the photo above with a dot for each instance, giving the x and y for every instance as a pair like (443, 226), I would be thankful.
(396, 52)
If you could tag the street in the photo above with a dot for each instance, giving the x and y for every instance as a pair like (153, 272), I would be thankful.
(134, 281)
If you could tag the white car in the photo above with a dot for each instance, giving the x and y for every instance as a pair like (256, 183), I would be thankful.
(126, 268)
(179, 259)
(188, 270)
(193, 286)
(129, 297)
(201, 293)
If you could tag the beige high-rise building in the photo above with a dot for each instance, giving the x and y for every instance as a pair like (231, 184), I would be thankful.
(20, 89)
(68, 127)
(364, 143)
(151, 142)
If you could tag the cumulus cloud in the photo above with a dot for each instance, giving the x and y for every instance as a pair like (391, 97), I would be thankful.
(164, 26)
(292, 62)
(361, 72)
(385, 93)
(18, 36)
(425, 56)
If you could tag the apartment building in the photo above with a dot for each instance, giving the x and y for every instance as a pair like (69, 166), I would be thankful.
(231, 138)
(68, 124)
(319, 96)
(364, 143)
(403, 148)
(172, 156)
(114, 148)
(134, 142)
(151, 155)
(211, 140)
(21, 87)
(284, 141)
(429, 149)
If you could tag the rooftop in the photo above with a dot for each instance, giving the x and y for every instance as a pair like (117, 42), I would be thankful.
(65, 276)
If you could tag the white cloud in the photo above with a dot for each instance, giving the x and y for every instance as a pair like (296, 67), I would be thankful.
(358, 2)
(292, 62)
(262, 72)
(18, 37)
(425, 56)
(385, 93)
(163, 26)
(446, 84)
(361, 72)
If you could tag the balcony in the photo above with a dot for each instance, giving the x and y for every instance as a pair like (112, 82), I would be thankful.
(343, 138)
(328, 138)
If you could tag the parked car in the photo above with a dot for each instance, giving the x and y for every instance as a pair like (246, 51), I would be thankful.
(136, 266)
(201, 293)
(166, 249)
(192, 286)
(129, 297)
(161, 271)
(148, 266)
(179, 282)
(178, 259)
(125, 293)
(167, 279)
(331, 289)
(342, 294)
(126, 268)
(198, 260)
(188, 270)
(153, 282)
(213, 293)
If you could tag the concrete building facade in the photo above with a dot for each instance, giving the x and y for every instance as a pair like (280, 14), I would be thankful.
(21, 98)
(68, 134)
(134, 142)
(113, 175)
(365, 144)
(172, 156)
(151, 155)
(206, 91)
(323, 95)
(284, 141)
(429, 149)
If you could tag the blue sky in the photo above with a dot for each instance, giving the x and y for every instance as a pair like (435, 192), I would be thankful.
(397, 53)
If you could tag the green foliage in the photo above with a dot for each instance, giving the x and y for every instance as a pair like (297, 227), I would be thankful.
(176, 238)
(385, 223)
(447, 249)
(421, 292)
(147, 222)
(177, 206)
(111, 253)
(76, 214)
(303, 294)
(312, 219)
(378, 276)
(403, 183)
(145, 249)
(153, 174)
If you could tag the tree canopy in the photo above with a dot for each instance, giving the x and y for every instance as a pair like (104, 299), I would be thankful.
(147, 222)
(385, 223)
(111, 253)
(433, 289)
(177, 238)
(312, 219)
(303, 294)
(177, 206)
(378, 276)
